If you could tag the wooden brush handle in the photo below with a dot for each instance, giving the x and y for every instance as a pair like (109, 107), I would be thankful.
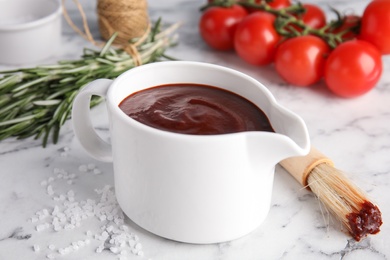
(301, 166)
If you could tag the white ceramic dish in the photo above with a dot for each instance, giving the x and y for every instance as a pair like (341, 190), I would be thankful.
(190, 188)
(30, 31)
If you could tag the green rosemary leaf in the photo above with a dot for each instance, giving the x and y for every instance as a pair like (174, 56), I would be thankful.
(56, 133)
(31, 83)
(68, 79)
(17, 120)
(155, 29)
(108, 44)
(104, 61)
(48, 102)
(38, 101)
(10, 80)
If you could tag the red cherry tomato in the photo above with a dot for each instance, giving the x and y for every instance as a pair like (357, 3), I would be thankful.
(255, 39)
(217, 25)
(275, 4)
(348, 26)
(375, 25)
(314, 16)
(300, 60)
(279, 4)
(353, 68)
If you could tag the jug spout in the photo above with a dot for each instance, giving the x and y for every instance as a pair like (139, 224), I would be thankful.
(271, 148)
(291, 138)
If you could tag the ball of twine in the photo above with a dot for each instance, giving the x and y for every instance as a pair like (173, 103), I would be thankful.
(129, 18)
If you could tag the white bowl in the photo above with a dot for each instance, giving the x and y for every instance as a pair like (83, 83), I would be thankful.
(30, 31)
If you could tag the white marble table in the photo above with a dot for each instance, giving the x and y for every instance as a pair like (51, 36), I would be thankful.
(355, 133)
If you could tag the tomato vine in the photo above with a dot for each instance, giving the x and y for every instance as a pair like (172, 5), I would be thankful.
(262, 32)
(288, 22)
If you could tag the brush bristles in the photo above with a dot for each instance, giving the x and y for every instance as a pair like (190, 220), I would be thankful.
(340, 196)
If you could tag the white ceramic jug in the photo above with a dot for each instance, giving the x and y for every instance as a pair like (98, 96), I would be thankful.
(190, 188)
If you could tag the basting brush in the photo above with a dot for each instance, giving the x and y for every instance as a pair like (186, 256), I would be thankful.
(340, 196)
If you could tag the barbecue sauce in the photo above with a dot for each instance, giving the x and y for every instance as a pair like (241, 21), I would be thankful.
(194, 109)
(367, 221)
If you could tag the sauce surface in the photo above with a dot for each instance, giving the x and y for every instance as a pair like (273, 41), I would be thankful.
(194, 109)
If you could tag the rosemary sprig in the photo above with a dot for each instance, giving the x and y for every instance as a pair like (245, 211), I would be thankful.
(38, 101)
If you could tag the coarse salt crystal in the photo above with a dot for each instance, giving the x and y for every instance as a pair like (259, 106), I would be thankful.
(51, 247)
(125, 228)
(69, 226)
(83, 168)
(55, 211)
(91, 166)
(105, 235)
(115, 250)
(36, 248)
(132, 243)
(110, 228)
(55, 221)
(97, 171)
(70, 214)
(57, 228)
(99, 249)
(40, 227)
(61, 251)
(81, 243)
(51, 256)
(138, 246)
(50, 190)
(75, 246)
(66, 250)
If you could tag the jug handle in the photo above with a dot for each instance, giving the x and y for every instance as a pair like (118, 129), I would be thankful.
(82, 125)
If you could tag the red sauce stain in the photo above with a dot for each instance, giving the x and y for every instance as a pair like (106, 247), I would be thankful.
(367, 221)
